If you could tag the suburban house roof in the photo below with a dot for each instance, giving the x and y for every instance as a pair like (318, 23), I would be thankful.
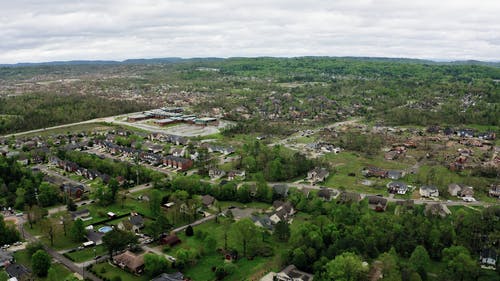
(129, 260)
(137, 220)
(207, 200)
(169, 277)
(171, 240)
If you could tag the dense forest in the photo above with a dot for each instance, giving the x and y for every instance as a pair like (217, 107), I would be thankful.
(42, 110)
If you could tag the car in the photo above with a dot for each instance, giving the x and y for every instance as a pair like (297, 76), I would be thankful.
(97, 257)
(231, 207)
(20, 214)
(84, 203)
(18, 243)
(170, 258)
(147, 184)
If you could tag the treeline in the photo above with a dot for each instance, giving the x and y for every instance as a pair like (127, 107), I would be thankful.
(276, 163)
(33, 111)
(111, 167)
(18, 185)
(339, 228)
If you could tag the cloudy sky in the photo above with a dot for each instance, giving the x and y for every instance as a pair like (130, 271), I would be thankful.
(47, 30)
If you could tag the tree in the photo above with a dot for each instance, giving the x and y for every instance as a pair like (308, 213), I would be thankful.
(160, 225)
(53, 275)
(77, 231)
(460, 266)
(154, 203)
(49, 227)
(8, 234)
(282, 231)
(40, 263)
(346, 267)
(243, 193)
(189, 231)
(70, 205)
(3, 276)
(390, 268)
(420, 261)
(155, 264)
(48, 195)
(245, 232)
(116, 240)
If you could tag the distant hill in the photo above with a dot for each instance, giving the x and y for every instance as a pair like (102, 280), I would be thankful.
(211, 59)
(111, 62)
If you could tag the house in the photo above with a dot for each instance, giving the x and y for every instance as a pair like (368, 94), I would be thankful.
(72, 190)
(395, 175)
(80, 214)
(291, 273)
(281, 190)
(134, 223)
(130, 261)
(18, 271)
(236, 174)
(177, 276)
(349, 197)
(374, 172)
(170, 240)
(216, 173)
(283, 211)
(207, 200)
(327, 194)
(94, 236)
(263, 221)
(396, 187)
(488, 258)
(437, 209)
(377, 203)
(6, 258)
(465, 133)
(487, 136)
(460, 190)
(429, 191)
(317, 175)
(494, 191)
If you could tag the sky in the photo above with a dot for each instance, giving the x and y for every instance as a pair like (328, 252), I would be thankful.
(50, 30)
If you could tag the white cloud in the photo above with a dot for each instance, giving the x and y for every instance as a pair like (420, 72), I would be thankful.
(120, 29)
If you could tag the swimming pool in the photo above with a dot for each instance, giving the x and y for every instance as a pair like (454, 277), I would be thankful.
(105, 229)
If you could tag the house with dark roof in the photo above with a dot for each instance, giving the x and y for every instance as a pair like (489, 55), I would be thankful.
(18, 271)
(377, 203)
(494, 191)
(396, 187)
(170, 240)
(134, 223)
(291, 273)
(374, 172)
(283, 211)
(349, 197)
(80, 214)
(6, 258)
(488, 258)
(281, 190)
(327, 194)
(437, 209)
(207, 200)
(72, 190)
(177, 276)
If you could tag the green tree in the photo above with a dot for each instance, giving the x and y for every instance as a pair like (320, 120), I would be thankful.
(116, 240)
(460, 266)
(245, 233)
(3, 276)
(420, 261)
(346, 267)
(154, 203)
(70, 205)
(243, 193)
(282, 231)
(40, 263)
(53, 275)
(155, 264)
(77, 231)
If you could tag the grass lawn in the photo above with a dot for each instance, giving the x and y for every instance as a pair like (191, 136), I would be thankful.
(107, 270)
(75, 128)
(61, 242)
(87, 253)
(23, 258)
(245, 269)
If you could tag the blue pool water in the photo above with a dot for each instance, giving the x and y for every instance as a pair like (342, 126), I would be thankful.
(105, 229)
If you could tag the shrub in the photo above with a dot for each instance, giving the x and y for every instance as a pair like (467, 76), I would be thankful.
(189, 231)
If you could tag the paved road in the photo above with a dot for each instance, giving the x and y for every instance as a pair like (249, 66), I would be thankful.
(200, 221)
